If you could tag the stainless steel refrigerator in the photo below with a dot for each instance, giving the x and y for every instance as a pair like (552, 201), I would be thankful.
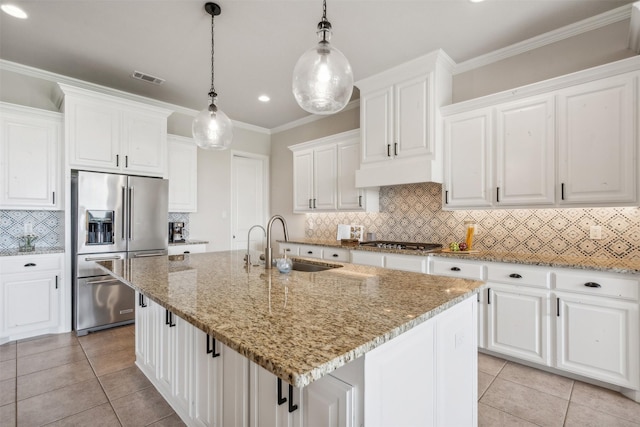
(113, 217)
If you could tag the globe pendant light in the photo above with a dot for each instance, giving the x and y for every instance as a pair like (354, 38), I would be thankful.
(322, 77)
(212, 129)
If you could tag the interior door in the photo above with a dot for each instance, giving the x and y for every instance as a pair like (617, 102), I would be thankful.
(248, 199)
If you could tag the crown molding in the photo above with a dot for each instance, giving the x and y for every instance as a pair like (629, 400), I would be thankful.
(634, 28)
(580, 27)
(59, 78)
(312, 118)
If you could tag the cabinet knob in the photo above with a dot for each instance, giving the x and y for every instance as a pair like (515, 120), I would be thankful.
(310, 252)
(592, 285)
(515, 276)
(455, 268)
(30, 264)
(335, 255)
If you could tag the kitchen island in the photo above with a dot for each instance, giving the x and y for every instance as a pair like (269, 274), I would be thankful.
(351, 326)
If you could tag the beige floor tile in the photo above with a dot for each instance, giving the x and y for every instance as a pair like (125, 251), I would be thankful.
(124, 330)
(584, 416)
(61, 403)
(7, 391)
(607, 401)
(109, 344)
(171, 421)
(50, 379)
(46, 343)
(8, 351)
(99, 416)
(141, 408)
(484, 381)
(7, 369)
(8, 415)
(537, 379)
(49, 359)
(489, 364)
(124, 382)
(492, 417)
(526, 403)
(111, 362)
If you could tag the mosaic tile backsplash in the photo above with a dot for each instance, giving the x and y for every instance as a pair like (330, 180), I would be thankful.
(47, 225)
(413, 213)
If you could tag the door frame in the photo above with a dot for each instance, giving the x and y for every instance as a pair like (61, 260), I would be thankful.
(265, 184)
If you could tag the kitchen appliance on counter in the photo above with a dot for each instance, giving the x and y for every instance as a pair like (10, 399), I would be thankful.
(113, 217)
(176, 232)
(409, 246)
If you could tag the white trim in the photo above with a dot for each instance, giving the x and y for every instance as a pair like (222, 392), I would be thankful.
(611, 17)
(325, 140)
(634, 28)
(59, 78)
(312, 118)
(8, 107)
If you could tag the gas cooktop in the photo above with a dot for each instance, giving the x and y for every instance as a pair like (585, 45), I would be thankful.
(410, 246)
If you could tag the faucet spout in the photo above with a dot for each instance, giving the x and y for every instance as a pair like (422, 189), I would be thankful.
(247, 257)
(268, 254)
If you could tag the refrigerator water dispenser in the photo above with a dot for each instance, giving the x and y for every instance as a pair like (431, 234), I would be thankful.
(100, 227)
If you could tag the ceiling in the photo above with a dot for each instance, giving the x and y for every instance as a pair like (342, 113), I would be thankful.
(257, 43)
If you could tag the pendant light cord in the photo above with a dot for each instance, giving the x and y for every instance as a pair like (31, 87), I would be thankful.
(324, 24)
(212, 93)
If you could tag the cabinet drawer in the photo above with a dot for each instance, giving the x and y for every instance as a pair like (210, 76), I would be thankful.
(454, 268)
(405, 263)
(367, 258)
(515, 274)
(597, 284)
(336, 254)
(187, 249)
(30, 263)
(289, 248)
(310, 251)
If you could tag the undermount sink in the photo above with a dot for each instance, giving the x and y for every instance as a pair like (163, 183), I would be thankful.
(309, 267)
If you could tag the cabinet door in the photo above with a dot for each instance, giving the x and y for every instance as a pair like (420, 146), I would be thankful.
(412, 111)
(166, 351)
(29, 302)
(349, 197)
(468, 160)
(92, 131)
(303, 181)
(518, 322)
(269, 400)
(329, 402)
(30, 162)
(235, 377)
(598, 338)
(597, 131)
(144, 143)
(325, 173)
(182, 165)
(183, 365)
(525, 152)
(376, 114)
(141, 328)
(207, 377)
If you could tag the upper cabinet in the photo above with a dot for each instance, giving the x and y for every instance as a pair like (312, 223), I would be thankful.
(399, 112)
(182, 165)
(571, 141)
(30, 161)
(324, 176)
(109, 134)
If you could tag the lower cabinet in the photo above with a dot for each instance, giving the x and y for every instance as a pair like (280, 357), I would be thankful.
(194, 248)
(417, 264)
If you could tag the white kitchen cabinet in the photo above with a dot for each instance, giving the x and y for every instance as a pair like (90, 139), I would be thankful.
(311, 251)
(331, 253)
(468, 160)
(109, 134)
(330, 402)
(351, 198)
(315, 179)
(182, 169)
(272, 402)
(413, 263)
(399, 116)
(30, 296)
(30, 160)
(598, 327)
(597, 142)
(187, 248)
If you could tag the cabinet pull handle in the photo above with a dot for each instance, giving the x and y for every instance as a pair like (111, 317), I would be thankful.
(211, 349)
(117, 160)
(53, 197)
(168, 318)
(592, 285)
(388, 150)
(515, 276)
(288, 250)
(446, 197)
(557, 307)
(314, 203)
(310, 252)
(395, 148)
(309, 203)
(187, 252)
(498, 194)
(562, 191)
(281, 399)
(292, 407)
(30, 264)
(56, 282)
(335, 255)
(141, 301)
(360, 201)
(126, 161)
(455, 268)
(488, 295)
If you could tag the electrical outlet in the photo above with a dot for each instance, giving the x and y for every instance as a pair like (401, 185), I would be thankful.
(595, 232)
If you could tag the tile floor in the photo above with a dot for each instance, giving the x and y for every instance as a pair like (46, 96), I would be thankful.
(61, 380)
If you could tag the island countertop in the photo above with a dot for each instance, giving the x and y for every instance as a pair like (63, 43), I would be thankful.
(300, 326)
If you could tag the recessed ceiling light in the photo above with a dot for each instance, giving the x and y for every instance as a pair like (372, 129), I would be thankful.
(264, 98)
(14, 11)
(476, 1)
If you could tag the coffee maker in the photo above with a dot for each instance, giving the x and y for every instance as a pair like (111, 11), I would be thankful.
(176, 230)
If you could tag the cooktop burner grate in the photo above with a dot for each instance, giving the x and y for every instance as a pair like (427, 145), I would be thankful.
(410, 246)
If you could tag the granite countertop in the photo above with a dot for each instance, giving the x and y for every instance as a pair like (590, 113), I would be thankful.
(612, 265)
(299, 326)
(37, 251)
(189, 242)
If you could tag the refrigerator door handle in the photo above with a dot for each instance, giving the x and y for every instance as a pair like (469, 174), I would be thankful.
(130, 213)
(103, 258)
(149, 255)
(124, 210)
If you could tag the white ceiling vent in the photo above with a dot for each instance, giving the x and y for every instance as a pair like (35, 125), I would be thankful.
(147, 78)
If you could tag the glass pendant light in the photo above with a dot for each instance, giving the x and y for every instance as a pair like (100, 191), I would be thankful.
(322, 77)
(212, 129)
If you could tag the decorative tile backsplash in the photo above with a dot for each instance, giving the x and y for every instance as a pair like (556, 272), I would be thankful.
(47, 225)
(413, 213)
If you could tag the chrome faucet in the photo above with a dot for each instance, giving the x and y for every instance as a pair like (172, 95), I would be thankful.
(247, 257)
(268, 258)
